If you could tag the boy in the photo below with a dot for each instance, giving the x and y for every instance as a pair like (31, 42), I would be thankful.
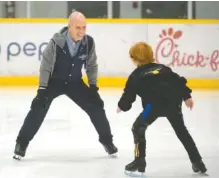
(162, 92)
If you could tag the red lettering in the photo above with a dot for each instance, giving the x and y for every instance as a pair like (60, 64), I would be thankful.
(184, 60)
(163, 50)
(187, 60)
(191, 60)
(200, 60)
(176, 58)
(166, 51)
(214, 61)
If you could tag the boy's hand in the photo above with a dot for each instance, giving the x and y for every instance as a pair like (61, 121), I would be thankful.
(189, 103)
(118, 110)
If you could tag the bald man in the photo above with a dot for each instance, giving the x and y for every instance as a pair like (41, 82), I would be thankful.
(61, 74)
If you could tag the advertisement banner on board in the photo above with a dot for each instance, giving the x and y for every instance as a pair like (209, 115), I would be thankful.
(191, 50)
(22, 49)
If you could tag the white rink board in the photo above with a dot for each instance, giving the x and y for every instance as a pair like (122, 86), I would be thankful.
(22, 45)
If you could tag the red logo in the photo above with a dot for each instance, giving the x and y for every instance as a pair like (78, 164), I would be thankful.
(167, 50)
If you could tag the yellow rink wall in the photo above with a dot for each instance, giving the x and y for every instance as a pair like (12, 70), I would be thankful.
(108, 81)
(104, 82)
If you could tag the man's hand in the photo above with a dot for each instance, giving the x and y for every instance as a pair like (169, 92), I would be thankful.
(189, 103)
(41, 100)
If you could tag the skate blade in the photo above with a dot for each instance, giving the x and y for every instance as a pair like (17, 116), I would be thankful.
(198, 171)
(202, 173)
(17, 157)
(135, 174)
(114, 155)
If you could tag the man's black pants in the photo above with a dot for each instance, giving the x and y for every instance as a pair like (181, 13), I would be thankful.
(175, 117)
(79, 93)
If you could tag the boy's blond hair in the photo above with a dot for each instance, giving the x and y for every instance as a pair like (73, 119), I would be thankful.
(141, 53)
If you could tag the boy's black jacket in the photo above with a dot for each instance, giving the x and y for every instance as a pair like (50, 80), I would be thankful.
(154, 84)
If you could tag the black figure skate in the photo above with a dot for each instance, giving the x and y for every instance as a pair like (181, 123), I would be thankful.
(137, 167)
(111, 149)
(19, 151)
(139, 164)
(199, 166)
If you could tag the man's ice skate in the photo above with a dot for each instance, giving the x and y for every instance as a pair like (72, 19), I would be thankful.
(111, 149)
(136, 168)
(199, 166)
(20, 151)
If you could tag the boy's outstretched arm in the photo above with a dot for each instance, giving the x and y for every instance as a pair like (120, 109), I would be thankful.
(128, 96)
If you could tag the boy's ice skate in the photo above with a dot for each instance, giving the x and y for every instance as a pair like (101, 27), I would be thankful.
(111, 149)
(19, 151)
(199, 167)
(136, 168)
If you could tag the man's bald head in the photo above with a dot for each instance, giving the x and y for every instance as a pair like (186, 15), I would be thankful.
(76, 16)
(77, 25)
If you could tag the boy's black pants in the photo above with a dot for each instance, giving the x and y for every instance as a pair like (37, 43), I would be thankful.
(175, 117)
(79, 93)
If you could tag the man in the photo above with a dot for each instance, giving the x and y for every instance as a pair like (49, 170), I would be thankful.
(60, 73)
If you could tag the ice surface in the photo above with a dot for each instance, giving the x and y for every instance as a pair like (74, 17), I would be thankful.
(67, 144)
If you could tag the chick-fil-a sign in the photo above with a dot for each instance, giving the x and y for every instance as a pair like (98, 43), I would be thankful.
(167, 51)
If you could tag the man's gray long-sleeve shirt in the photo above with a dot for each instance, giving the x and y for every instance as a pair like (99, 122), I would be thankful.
(49, 58)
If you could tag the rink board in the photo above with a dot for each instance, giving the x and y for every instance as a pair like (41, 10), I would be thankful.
(189, 47)
(106, 82)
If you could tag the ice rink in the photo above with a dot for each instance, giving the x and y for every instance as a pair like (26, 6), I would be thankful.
(67, 145)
